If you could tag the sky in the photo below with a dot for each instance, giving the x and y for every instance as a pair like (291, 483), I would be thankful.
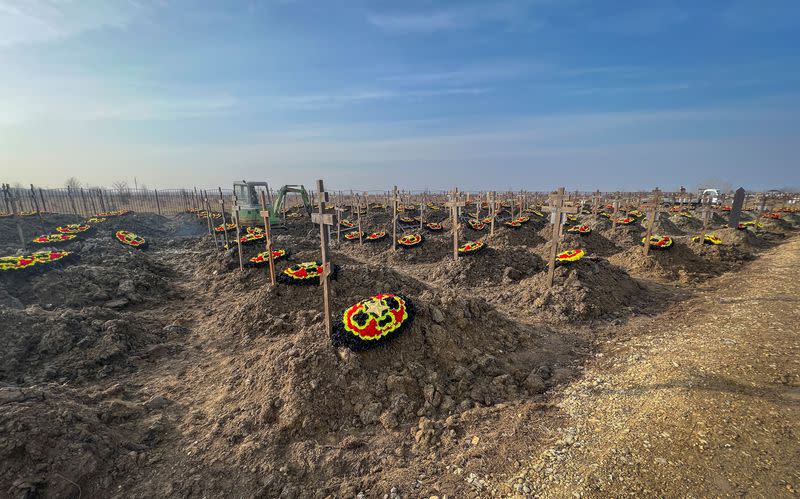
(520, 94)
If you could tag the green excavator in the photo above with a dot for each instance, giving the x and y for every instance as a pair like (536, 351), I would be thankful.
(248, 201)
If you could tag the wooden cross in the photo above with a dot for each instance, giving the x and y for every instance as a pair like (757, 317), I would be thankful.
(268, 236)
(238, 234)
(421, 214)
(454, 205)
(652, 214)
(705, 205)
(324, 219)
(360, 233)
(339, 210)
(595, 202)
(736, 208)
(394, 219)
(224, 222)
(556, 208)
(492, 211)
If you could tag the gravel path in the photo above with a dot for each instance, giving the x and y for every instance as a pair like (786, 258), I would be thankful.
(700, 401)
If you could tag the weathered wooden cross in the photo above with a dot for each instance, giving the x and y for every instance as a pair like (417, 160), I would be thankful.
(652, 215)
(267, 236)
(395, 202)
(595, 202)
(454, 204)
(238, 234)
(557, 209)
(224, 221)
(324, 219)
(492, 211)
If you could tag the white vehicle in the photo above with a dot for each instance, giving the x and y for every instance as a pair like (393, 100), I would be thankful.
(713, 195)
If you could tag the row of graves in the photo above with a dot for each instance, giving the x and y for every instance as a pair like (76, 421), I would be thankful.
(472, 222)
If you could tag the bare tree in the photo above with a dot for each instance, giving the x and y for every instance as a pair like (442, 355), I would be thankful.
(122, 189)
(72, 183)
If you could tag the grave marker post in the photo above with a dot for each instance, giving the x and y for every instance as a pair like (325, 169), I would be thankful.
(394, 219)
(324, 219)
(268, 237)
(454, 205)
(651, 218)
(556, 208)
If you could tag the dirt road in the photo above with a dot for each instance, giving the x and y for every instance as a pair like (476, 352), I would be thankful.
(700, 401)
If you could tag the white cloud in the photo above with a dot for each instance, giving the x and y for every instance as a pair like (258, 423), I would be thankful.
(37, 21)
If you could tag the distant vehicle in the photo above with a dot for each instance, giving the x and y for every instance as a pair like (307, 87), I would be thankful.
(712, 195)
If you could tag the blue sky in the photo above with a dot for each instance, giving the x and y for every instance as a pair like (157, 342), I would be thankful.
(366, 94)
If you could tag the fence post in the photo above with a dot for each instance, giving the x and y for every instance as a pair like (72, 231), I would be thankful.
(158, 204)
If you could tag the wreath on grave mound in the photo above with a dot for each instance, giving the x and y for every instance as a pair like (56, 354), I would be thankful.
(523, 220)
(434, 227)
(372, 322)
(225, 228)
(131, 239)
(535, 212)
(73, 228)
(252, 237)
(24, 262)
(625, 221)
(570, 256)
(54, 238)
(605, 214)
(353, 236)
(294, 215)
(471, 247)
(347, 224)
(635, 214)
(475, 224)
(26, 213)
(410, 240)
(253, 230)
(751, 223)
(376, 236)
(262, 258)
(659, 242)
(487, 220)
(95, 220)
(774, 216)
(580, 229)
(708, 239)
(512, 224)
(115, 213)
(685, 214)
(304, 273)
(571, 219)
(407, 220)
(726, 208)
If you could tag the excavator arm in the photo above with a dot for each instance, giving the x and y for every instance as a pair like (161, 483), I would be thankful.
(280, 198)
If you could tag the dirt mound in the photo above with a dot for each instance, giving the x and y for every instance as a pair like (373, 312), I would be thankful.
(588, 289)
(31, 227)
(686, 224)
(677, 263)
(666, 225)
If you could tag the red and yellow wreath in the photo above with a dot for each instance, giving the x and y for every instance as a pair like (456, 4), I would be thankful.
(434, 227)
(774, 216)
(73, 228)
(406, 220)
(304, 273)
(708, 239)
(22, 262)
(659, 242)
(225, 227)
(95, 220)
(376, 236)
(512, 224)
(131, 239)
(580, 229)
(371, 322)
(347, 224)
(471, 247)
(625, 221)
(263, 257)
(353, 236)
(410, 240)
(570, 256)
(54, 238)
(475, 224)
(252, 237)
(635, 214)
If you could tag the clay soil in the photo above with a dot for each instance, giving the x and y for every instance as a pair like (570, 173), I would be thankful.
(168, 372)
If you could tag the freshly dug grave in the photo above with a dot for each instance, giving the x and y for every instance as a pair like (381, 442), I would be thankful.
(677, 263)
(488, 267)
(103, 272)
(686, 224)
(588, 289)
(595, 243)
(284, 407)
(31, 227)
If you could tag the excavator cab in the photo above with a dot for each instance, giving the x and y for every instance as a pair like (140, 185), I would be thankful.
(247, 198)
